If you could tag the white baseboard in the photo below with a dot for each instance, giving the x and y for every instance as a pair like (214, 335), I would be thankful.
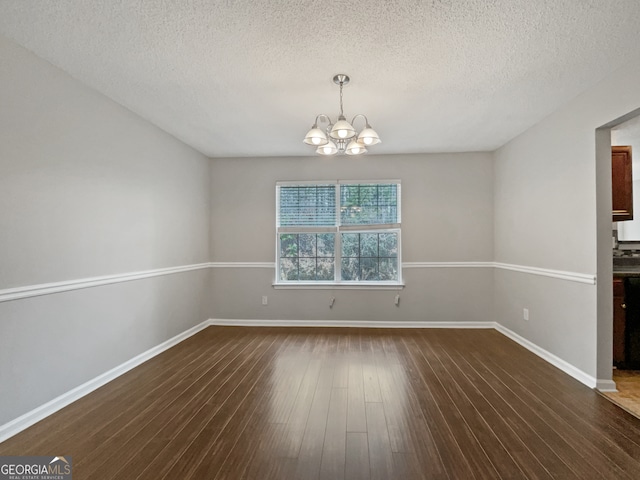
(566, 367)
(345, 323)
(24, 421)
(606, 386)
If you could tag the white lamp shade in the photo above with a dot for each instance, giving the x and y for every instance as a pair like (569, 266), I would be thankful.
(354, 148)
(328, 149)
(342, 130)
(316, 137)
(368, 137)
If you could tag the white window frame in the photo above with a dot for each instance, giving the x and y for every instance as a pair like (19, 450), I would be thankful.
(338, 229)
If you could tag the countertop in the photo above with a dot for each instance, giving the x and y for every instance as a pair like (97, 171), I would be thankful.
(626, 266)
(626, 271)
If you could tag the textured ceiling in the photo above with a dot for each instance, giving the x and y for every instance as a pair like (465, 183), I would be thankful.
(246, 78)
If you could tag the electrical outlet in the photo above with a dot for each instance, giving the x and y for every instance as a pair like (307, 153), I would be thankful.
(525, 313)
(265, 300)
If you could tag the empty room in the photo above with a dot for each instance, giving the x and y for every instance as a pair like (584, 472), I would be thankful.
(319, 240)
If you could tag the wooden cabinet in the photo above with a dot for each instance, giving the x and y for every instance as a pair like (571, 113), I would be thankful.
(621, 183)
(619, 322)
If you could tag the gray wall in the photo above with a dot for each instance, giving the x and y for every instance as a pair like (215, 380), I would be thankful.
(87, 188)
(553, 210)
(447, 216)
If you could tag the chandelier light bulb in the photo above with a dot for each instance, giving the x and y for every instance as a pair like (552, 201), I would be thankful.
(342, 129)
(315, 136)
(329, 148)
(354, 148)
(368, 136)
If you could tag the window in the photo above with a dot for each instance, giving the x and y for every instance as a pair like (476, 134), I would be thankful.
(338, 232)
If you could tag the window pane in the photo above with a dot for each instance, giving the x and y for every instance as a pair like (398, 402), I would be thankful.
(368, 269)
(350, 245)
(388, 269)
(369, 244)
(307, 245)
(310, 205)
(326, 245)
(307, 269)
(368, 204)
(369, 257)
(288, 245)
(388, 244)
(350, 269)
(307, 257)
(325, 270)
(288, 269)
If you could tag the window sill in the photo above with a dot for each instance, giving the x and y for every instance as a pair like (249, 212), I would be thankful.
(338, 286)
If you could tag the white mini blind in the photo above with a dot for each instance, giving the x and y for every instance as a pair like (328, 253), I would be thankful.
(307, 205)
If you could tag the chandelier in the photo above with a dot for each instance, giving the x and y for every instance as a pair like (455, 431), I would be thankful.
(341, 137)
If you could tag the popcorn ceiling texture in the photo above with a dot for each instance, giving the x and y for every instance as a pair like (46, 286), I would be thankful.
(246, 78)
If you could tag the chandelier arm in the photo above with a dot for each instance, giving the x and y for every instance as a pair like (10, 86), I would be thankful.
(366, 120)
(323, 116)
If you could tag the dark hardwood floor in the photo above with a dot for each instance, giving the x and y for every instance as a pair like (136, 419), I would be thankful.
(294, 403)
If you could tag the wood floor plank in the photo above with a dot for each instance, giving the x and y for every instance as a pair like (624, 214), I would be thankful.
(356, 415)
(331, 403)
(334, 447)
(357, 457)
(380, 454)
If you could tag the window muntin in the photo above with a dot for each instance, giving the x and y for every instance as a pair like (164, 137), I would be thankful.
(307, 257)
(369, 256)
(338, 232)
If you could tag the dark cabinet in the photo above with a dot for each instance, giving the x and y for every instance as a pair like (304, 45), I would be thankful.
(621, 183)
(619, 322)
(626, 322)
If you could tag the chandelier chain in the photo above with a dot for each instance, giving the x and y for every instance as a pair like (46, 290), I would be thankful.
(341, 109)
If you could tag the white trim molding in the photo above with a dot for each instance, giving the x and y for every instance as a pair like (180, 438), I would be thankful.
(586, 278)
(24, 421)
(236, 322)
(242, 264)
(9, 294)
(448, 265)
(563, 365)
(17, 293)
